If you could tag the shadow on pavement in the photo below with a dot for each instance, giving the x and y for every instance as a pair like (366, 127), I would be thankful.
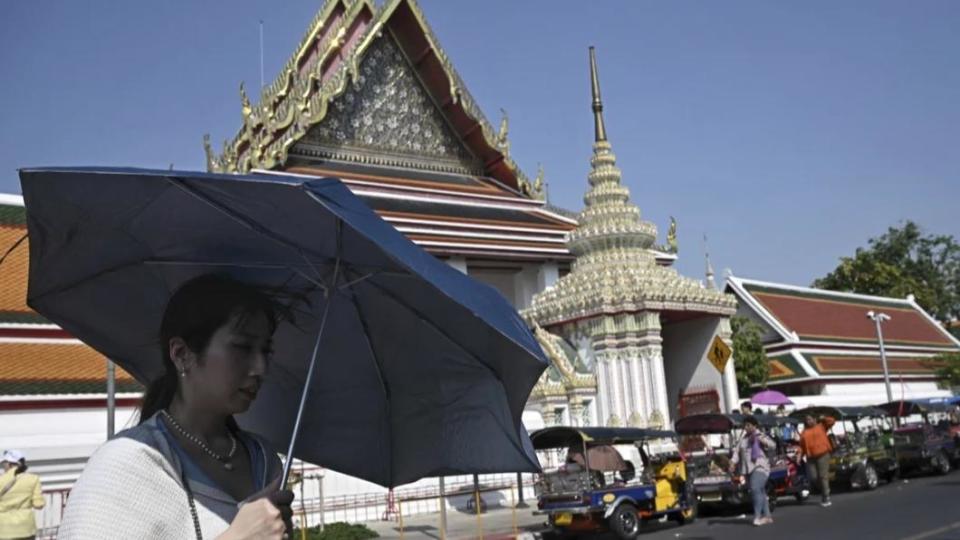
(425, 530)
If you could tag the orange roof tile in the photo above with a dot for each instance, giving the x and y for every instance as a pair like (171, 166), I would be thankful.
(40, 361)
(14, 270)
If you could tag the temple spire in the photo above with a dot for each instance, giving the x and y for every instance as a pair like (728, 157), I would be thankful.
(599, 131)
(711, 284)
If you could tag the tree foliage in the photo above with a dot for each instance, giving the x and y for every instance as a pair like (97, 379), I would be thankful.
(749, 359)
(904, 261)
(947, 366)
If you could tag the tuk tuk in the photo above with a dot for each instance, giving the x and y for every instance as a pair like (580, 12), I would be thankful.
(593, 488)
(924, 445)
(707, 441)
(863, 449)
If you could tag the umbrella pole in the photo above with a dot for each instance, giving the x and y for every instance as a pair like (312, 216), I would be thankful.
(309, 379)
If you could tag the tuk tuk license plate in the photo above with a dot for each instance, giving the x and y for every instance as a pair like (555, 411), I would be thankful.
(714, 496)
(563, 519)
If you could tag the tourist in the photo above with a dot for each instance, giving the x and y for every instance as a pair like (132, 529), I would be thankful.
(20, 495)
(746, 408)
(751, 457)
(187, 470)
(815, 448)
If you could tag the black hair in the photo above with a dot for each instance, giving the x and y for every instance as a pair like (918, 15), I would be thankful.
(752, 420)
(195, 311)
(746, 404)
(21, 466)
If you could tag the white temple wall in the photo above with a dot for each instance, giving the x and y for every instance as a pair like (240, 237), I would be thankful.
(685, 347)
(526, 284)
(868, 393)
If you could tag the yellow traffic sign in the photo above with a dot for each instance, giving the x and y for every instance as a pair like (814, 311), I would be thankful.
(719, 353)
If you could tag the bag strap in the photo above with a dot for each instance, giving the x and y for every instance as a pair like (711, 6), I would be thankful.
(9, 485)
(193, 506)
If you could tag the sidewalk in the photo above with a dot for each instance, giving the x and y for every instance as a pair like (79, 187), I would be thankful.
(497, 524)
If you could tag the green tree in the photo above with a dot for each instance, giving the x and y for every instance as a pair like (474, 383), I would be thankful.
(749, 359)
(947, 366)
(904, 261)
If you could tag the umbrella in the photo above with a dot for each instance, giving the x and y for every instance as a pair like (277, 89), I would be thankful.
(420, 370)
(600, 458)
(770, 397)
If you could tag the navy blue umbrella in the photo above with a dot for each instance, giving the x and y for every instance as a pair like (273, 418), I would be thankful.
(418, 370)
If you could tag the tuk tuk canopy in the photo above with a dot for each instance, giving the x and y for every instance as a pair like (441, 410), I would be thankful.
(724, 423)
(571, 437)
(908, 407)
(840, 413)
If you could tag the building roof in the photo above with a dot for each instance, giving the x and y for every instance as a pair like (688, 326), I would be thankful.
(37, 357)
(56, 368)
(336, 59)
(827, 335)
(803, 314)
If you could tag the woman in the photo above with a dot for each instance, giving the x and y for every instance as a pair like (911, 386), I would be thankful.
(187, 470)
(750, 453)
(20, 495)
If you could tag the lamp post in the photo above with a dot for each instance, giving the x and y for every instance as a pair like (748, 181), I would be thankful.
(878, 318)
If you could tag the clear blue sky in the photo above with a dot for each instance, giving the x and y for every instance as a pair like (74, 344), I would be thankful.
(789, 132)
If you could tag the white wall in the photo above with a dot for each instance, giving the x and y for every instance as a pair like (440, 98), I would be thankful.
(685, 363)
(871, 393)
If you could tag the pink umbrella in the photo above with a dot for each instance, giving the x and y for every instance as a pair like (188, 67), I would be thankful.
(770, 397)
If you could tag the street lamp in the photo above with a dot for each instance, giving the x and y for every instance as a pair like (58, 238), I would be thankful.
(878, 318)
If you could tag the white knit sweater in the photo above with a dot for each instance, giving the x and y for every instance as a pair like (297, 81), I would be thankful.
(132, 488)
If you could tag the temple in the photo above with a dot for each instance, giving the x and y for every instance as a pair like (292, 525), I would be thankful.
(823, 349)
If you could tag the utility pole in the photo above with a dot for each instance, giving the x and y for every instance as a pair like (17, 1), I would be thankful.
(879, 318)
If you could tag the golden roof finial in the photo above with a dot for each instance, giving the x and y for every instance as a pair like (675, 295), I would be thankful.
(599, 131)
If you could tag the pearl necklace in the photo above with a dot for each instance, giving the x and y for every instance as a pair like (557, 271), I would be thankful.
(196, 440)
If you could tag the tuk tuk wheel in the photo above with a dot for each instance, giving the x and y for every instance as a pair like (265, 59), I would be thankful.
(941, 463)
(802, 496)
(771, 498)
(870, 478)
(625, 522)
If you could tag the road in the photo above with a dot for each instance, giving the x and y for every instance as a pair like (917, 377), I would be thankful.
(920, 508)
(925, 508)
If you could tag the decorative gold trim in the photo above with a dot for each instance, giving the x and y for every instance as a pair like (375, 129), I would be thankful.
(264, 142)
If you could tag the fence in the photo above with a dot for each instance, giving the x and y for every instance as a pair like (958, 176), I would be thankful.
(495, 490)
(458, 493)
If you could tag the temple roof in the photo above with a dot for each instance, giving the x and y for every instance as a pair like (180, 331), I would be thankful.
(805, 315)
(823, 335)
(320, 105)
(37, 357)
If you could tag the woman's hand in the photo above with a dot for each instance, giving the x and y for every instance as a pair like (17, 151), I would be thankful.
(265, 514)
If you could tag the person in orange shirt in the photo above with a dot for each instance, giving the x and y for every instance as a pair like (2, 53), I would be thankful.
(815, 448)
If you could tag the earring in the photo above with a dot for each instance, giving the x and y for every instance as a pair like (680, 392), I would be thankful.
(183, 372)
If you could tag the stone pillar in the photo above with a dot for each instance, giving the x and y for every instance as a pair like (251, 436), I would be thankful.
(731, 396)
(602, 404)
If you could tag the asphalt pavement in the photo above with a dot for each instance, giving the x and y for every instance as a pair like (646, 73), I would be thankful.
(920, 508)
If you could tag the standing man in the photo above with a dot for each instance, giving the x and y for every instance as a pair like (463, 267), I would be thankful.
(746, 408)
(750, 454)
(815, 447)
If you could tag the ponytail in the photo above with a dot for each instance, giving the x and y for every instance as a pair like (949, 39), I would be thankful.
(159, 394)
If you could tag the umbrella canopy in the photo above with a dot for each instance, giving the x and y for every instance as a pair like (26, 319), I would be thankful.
(770, 397)
(421, 370)
(599, 458)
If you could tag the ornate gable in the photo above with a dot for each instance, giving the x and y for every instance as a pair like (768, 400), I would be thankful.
(386, 117)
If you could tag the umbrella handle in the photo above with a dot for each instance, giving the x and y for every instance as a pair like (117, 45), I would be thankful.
(306, 383)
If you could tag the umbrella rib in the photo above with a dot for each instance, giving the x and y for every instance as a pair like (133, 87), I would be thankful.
(247, 222)
(379, 370)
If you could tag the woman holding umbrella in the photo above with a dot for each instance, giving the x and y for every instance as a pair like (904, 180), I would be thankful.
(187, 470)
